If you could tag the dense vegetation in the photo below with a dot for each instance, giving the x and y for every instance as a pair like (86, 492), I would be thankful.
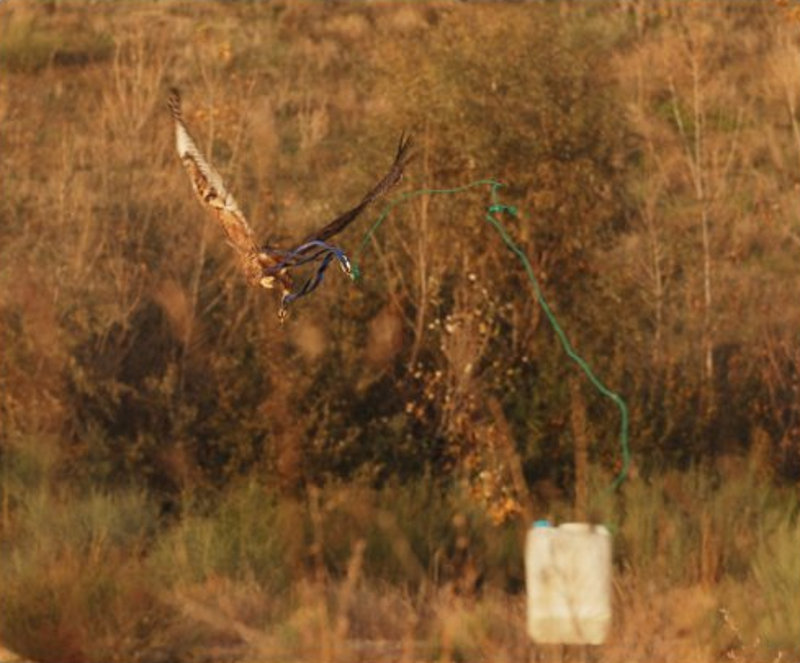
(180, 471)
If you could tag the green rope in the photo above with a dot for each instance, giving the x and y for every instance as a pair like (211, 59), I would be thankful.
(356, 272)
(495, 208)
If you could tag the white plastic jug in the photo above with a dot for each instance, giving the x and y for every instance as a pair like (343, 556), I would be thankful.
(568, 578)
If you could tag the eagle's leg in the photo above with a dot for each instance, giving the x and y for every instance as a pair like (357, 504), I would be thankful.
(286, 298)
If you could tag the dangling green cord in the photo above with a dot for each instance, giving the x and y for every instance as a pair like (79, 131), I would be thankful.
(495, 208)
(356, 272)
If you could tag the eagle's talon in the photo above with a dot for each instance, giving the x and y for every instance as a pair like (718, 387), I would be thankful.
(283, 313)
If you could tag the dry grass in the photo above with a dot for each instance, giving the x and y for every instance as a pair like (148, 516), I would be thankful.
(347, 576)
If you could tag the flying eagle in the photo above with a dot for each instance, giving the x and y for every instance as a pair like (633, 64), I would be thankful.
(269, 266)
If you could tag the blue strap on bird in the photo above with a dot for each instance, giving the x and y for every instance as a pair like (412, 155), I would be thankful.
(300, 256)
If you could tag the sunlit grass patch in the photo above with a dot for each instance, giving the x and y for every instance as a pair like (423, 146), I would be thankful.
(776, 571)
(28, 46)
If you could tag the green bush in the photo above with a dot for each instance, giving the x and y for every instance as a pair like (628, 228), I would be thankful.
(27, 47)
(245, 538)
(74, 588)
(776, 571)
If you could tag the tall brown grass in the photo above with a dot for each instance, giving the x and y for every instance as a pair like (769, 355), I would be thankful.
(350, 573)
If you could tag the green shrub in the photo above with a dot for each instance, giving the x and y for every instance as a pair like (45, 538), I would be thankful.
(776, 571)
(26, 47)
(74, 588)
(246, 537)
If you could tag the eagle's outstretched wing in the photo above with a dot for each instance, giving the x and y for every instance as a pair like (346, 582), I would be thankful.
(389, 181)
(211, 191)
(270, 266)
